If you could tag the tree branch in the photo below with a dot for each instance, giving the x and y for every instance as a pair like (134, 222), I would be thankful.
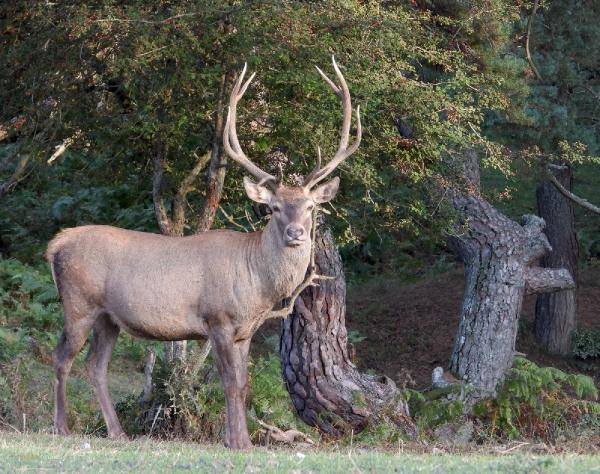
(148, 369)
(546, 280)
(218, 162)
(186, 186)
(568, 194)
(60, 149)
(527, 37)
(15, 176)
(164, 223)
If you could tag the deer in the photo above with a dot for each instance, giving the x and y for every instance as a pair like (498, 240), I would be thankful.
(219, 285)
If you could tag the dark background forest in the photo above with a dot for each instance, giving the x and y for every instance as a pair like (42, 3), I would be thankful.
(112, 113)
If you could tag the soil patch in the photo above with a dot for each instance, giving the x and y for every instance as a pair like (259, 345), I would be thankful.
(412, 327)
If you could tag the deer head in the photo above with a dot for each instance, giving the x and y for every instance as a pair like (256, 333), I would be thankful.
(291, 206)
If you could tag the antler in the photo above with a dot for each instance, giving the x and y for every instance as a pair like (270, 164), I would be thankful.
(343, 152)
(230, 138)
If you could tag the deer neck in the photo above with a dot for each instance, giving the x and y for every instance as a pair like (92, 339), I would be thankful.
(281, 267)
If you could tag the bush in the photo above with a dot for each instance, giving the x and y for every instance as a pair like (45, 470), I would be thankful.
(192, 406)
(540, 402)
(30, 312)
(587, 343)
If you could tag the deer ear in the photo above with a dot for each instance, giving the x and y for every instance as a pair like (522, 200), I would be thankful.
(326, 192)
(256, 192)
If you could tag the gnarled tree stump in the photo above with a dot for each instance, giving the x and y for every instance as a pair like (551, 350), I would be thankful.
(327, 390)
(500, 258)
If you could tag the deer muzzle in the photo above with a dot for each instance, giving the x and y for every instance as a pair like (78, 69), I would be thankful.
(294, 235)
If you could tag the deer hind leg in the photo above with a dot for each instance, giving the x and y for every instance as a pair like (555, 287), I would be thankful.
(70, 343)
(232, 362)
(103, 343)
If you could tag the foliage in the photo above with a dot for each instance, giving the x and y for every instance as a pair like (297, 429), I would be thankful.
(562, 106)
(587, 343)
(540, 402)
(192, 406)
(29, 307)
(114, 77)
(436, 407)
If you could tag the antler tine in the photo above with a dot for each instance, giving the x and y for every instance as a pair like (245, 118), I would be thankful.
(230, 138)
(318, 167)
(343, 151)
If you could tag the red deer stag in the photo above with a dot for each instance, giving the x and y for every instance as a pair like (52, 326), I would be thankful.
(219, 284)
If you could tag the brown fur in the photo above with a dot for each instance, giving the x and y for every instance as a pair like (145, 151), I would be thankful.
(217, 284)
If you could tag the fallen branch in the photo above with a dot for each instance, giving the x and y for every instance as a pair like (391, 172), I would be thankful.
(511, 449)
(288, 437)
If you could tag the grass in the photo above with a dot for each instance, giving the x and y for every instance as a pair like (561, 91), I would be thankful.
(29, 453)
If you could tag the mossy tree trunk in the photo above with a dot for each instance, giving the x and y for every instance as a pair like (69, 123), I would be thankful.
(556, 313)
(326, 389)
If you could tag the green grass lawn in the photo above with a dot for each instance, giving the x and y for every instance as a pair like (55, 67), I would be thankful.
(26, 453)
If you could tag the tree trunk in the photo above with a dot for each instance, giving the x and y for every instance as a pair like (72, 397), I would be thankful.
(218, 163)
(326, 388)
(215, 178)
(499, 257)
(556, 313)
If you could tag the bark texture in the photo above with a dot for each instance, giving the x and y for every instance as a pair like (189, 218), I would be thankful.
(499, 257)
(326, 388)
(556, 313)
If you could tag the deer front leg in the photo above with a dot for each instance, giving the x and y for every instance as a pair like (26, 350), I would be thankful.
(232, 362)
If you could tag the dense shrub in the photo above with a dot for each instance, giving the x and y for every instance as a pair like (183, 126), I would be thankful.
(587, 343)
(191, 405)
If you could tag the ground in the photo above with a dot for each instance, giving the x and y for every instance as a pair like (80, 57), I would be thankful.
(412, 327)
(28, 453)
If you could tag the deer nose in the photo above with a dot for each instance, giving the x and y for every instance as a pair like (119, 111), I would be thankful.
(294, 232)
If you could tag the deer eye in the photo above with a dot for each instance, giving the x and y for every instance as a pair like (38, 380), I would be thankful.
(310, 207)
(276, 208)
